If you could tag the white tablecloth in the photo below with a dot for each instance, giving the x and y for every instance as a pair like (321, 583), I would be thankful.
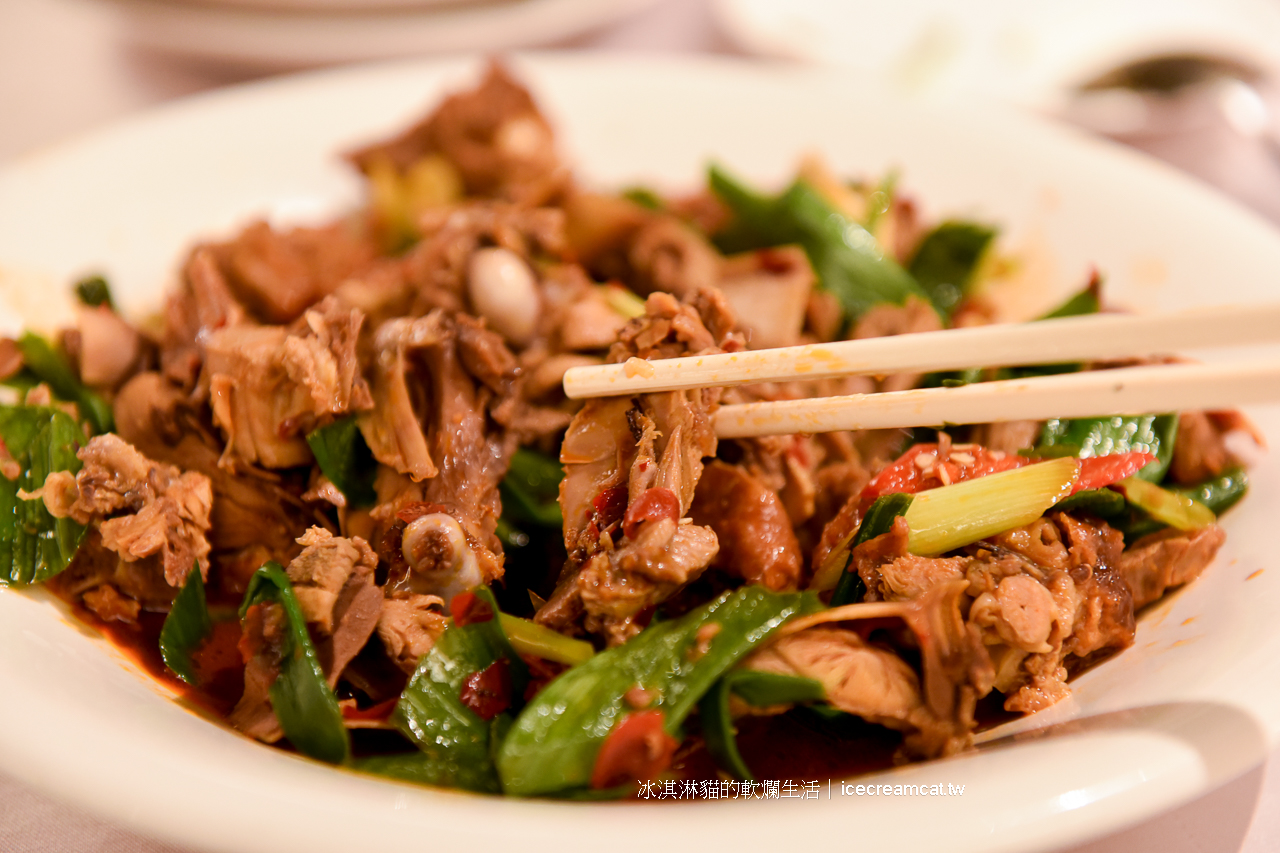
(64, 68)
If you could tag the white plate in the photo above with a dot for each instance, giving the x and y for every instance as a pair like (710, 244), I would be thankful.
(1032, 54)
(1190, 706)
(303, 33)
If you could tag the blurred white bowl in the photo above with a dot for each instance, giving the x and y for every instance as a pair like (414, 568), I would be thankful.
(283, 34)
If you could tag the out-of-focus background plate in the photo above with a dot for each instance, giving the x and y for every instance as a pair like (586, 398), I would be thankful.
(300, 33)
(340, 5)
(1194, 703)
(1031, 54)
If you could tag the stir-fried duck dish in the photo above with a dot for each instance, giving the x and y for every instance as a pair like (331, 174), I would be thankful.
(336, 497)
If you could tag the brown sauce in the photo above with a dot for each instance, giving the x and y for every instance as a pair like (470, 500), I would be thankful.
(218, 663)
(799, 746)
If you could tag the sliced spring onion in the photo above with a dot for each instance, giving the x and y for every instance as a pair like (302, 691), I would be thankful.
(622, 300)
(1176, 510)
(952, 516)
(530, 638)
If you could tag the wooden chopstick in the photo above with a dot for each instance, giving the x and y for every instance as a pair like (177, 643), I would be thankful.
(1089, 338)
(1096, 393)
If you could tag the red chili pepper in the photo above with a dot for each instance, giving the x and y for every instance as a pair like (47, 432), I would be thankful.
(1099, 471)
(610, 506)
(467, 608)
(637, 749)
(904, 475)
(652, 505)
(380, 711)
(488, 692)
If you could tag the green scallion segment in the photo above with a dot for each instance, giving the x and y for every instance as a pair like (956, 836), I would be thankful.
(1166, 506)
(951, 516)
(530, 638)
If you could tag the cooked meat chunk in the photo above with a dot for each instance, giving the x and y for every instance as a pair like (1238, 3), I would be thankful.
(110, 605)
(936, 707)
(757, 542)
(392, 428)
(1039, 596)
(1200, 451)
(494, 135)
(262, 645)
(269, 385)
(453, 416)
(409, 627)
(202, 304)
(1166, 559)
(166, 511)
(631, 472)
(670, 257)
(769, 292)
(857, 677)
(109, 348)
(333, 580)
(253, 518)
(892, 574)
(888, 319)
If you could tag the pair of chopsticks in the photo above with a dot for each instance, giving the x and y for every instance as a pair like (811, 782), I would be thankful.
(1147, 389)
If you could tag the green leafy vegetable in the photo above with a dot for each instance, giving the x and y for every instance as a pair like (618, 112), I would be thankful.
(1086, 301)
(1085, 437)
(845, 256)
(645, 197)
(456, 744)
(553, 745)
(1103, 503)
(301, 698)
(946, 260)
(186, 627)
(878, 521)
(754, 687)
(35, 546)
(1219, 493)
(344, 457)
(49, 365)
(531, 490)
(94, 291)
